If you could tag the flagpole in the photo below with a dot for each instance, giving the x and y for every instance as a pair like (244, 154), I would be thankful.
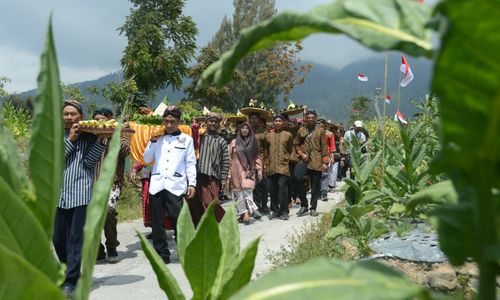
(399, 89)
(383, 116)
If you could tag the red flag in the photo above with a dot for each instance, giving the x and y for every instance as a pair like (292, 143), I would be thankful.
(362, 77)
(388, 99)
(407, 73)
(399, 117)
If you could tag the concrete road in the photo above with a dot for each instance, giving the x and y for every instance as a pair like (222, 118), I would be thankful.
(133, 278)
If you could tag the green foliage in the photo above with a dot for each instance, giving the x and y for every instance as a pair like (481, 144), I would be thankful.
(17, 120)
(360, 109)
(3, 81)
(21, 280)
(28, 266)
(363, 228)
(269, 75)
(120, 93)
(146, 119)
(362, 167)
(470, 112)
(129, 207)
(321, 278)
(46, 159)
(166, 280)
(378, 24)
(210, 257)
(161, 42)
(310, 241)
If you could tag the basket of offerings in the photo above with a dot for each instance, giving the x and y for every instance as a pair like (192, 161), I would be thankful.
(103, 127)
(293, 109)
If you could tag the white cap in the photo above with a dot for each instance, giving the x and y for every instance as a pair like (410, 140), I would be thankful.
(358, 123)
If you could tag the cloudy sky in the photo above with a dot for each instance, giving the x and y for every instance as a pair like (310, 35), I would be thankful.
(88, 44)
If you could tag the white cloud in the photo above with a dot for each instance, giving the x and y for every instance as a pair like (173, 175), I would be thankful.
(22, 68)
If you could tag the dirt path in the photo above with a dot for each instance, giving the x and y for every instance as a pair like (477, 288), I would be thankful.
(133, 277)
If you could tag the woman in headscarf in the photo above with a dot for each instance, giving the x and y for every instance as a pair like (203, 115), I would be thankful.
(245, 169)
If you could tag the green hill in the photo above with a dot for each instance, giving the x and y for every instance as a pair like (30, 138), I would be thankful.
(325, 89)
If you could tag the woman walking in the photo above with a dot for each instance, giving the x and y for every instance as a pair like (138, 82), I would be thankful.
(245, 169)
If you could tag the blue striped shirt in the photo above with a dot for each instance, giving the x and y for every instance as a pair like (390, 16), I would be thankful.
(82, 156)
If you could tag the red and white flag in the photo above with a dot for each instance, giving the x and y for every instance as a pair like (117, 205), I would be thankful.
(362, 77)
(399, 117)
(388, 99)
(407, 73)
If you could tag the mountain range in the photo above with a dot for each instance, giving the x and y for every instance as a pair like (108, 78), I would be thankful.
(326, 89)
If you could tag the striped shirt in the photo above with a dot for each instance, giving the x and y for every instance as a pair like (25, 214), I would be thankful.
(82, 156)
(214, 156)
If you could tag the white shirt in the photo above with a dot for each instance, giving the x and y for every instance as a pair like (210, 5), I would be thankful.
(359, 135)
(174, 164)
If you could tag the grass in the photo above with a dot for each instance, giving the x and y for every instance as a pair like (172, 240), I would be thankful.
(129, 206)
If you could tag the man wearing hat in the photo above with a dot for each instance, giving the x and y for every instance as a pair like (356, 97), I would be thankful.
(310, 144)
(356, 132)
(110, 224)
(213, 169)
(279, 144)
(82, 152)
(173, 176)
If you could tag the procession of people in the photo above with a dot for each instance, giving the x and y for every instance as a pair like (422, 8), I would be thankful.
(265, 163)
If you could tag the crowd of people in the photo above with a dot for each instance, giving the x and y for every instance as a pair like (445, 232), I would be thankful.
(264, 166)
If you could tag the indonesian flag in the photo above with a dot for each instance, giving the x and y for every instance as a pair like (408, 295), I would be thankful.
(362, 77)
(399, 117)
(388, 99)
(407, 74)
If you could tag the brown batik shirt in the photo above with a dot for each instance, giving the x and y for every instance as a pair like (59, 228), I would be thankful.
(260, 137)
(279, 146)
(312, 142)
(294, 157)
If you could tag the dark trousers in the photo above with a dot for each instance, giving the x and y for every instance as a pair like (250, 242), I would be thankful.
(68, 240)
(110, 231)
(315, 180)
(260, 193)
(278, 190)
(159, 203)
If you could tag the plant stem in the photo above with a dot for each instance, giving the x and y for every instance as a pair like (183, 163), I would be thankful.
(484, 219)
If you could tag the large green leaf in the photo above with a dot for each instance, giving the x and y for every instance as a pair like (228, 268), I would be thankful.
(357, 211)
(469, 94)
(230, 239)
(96, 215)
(338, 216)
(323, 278)
(185, 231)
(46, 159)
(203, 255)
(368, 166)
(378, 24)
(440, 193)
(21, 280)
(11, 167)
(166, 279)
(242, 270)
(21, 233)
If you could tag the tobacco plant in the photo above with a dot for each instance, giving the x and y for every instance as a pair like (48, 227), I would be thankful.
(28, 266)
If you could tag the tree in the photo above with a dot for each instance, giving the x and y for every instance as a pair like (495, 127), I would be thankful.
(3, 81)
(360, 109)
(210, 96)
(268, 76)
(161, 42)
(121, 93)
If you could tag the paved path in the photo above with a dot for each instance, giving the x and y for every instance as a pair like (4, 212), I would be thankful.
(133, 277)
